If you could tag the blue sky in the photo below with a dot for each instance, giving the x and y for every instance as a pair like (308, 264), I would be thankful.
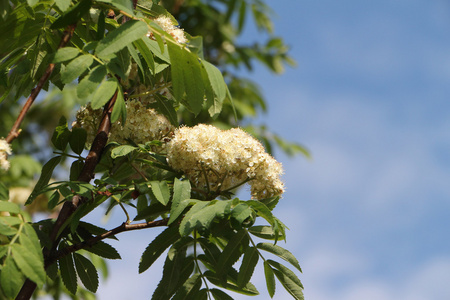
(369, 214)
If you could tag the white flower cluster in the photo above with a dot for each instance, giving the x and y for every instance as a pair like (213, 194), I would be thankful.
(217, 160)
(167, 25)
(142, 125)
(5, 150)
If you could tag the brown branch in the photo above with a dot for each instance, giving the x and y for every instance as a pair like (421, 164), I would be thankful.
(15, 131)
(92, 241)
(69, 207)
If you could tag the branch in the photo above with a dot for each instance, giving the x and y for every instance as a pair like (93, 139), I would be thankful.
(87, 173)
(92, 241)
(15, 131)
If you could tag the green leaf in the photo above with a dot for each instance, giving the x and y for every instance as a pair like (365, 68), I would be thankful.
(193, 81)
(76, 67)
(157, 247)
(186, 226)
(89, 83)
(104, 250)
(10, 278)
(216, 80)
(65, 54)
(165, 106)
(241, 212)
(73, 15)
(270, 279)
(231, 253)
(29, 263)
(9, 207)
(264, 232)
(54, 199)
(4, 192)
(68, 273)
(61, 135)
(288, 279)
(32, 244)
(122, 151)
(63, 5)
(75, 170)
(119, 109)
(32, 2)
(220, 295)
(124, 5)
(104, 93)
(181, 191)
(178, 209)
(280, 252)
(174, 264)
(6, 228)
(191, 286)
(120, 37)
(161, 191)
(176, 58)
(33, 239)
(248, 265)
(145, 52)
(78, 139)
(46, 174)
(231, 285)
(200, 217)
(87, 272)
(158, 51)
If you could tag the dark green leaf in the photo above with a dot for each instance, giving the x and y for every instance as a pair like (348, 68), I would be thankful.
(104, 93)
(9, 207)
(104, 250)
(87, 272)
(248, 265)
(73, 15)
(220, 295)
(120, 37)
(161, 191)
(46, 174)
(191, 286)
(122, 151)
(157, 247)
(76, 67)
(264, 232)
(89, 83)
(174, 264)
(54, 199)
(231, 285)
(270, 202)
(270, 279)
(186, 226)
(193, 81)
(181, 191)
(165, 106)
(68, 274)
(77, 139)
(231, 253)
(10, 278)
(216, 80)
(65, 54)
(124, 5)
(293, 288)
(241, 212)
(178, 209)
(4, 192)
(288, 279)
(75, 169)
(29, 263)
(61, 135)
(280, 252)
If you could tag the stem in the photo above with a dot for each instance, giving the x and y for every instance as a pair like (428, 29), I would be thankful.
(68, 155)
(92, 241)
(123, 208)
(15, 130)
(196, 261)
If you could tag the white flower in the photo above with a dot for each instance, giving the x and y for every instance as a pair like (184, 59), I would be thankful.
(218, 160)
(5, 150)
(167, 25)
(142, 125)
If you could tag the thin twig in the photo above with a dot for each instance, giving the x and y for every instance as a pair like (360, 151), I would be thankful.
(15, 130)
(92, 241)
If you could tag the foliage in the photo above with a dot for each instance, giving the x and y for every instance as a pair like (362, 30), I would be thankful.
(110, 53)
